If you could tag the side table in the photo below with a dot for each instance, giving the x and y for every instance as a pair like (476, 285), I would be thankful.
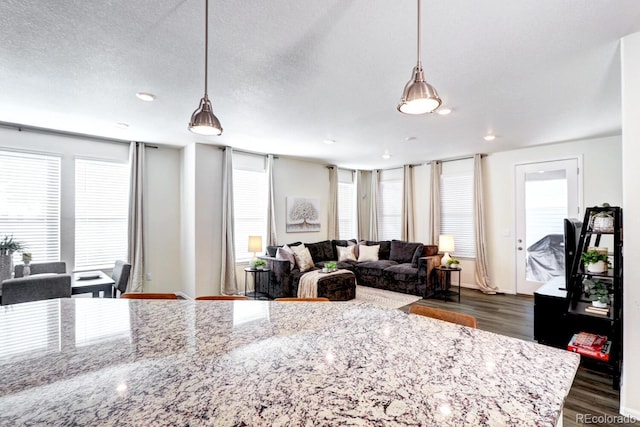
(444, 281)
(258, 276)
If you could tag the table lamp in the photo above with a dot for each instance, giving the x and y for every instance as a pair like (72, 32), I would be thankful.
(255, 245)
(446, 245)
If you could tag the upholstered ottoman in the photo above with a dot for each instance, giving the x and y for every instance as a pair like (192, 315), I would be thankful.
(339, 286)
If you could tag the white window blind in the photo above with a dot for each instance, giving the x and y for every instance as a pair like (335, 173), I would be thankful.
(389, 209)
(30, 203)
(102, 210)
(347, 222)
(456, 212)
(249, 205)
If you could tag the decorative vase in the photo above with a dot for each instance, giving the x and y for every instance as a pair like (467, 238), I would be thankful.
(26, 270)
(598, 267)
(6, 266)
(599, 304)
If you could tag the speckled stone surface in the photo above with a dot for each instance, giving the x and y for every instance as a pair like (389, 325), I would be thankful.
(112, 362)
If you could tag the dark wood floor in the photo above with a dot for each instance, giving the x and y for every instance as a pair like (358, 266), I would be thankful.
(512, 315)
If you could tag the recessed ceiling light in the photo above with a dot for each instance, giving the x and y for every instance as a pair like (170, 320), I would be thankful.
(410, 138)
(121, 125)
(444, 111)
(145, 96)
(489, 137)
(329, 141)
(386, 155)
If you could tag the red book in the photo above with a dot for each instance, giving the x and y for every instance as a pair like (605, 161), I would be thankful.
(589, 341)
(601, 353)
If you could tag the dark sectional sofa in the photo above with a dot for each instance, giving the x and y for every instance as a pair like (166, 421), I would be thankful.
(401, 267)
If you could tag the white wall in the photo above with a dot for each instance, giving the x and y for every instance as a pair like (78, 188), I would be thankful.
(630, 389)
(161, 215)
(421, 189)
(201, 220)
(298, 178)
(602, 182)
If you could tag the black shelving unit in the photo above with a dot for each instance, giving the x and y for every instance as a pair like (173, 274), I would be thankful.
(577, 318)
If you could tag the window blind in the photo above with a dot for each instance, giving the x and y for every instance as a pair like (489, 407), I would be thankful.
(389, 209)
(249, 209)
(456, 212)
(347, 210)
(30, 203)
(101, 213)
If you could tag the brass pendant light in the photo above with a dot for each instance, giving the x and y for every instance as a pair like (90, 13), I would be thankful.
(419, 97)
(203, 121)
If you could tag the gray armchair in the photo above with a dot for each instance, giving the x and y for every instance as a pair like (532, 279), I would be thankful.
(41, 267)
(25, 289)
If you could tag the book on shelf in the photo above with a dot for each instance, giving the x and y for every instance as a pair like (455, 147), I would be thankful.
(600, 352)
(588, 340)
(597, 310)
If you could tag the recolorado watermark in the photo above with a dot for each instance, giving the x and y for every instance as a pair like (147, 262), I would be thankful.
(605, 419)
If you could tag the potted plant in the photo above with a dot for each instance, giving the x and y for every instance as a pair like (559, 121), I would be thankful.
(594, 261)
(598, 292)
(7, 247)
(453, 263)
(330, 266)
(259, 264)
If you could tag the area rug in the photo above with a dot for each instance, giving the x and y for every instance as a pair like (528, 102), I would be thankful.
(384, 298)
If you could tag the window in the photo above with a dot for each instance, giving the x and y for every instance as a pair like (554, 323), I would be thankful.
(249, 202)
(390, 204)
(456, 212)
(102, 211)
(347, 221)
(30, 203)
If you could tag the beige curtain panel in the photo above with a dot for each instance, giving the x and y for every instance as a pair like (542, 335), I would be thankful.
(272, 234)
(482, 272)
(229, 284)
(136, 241)
(373, 214)
(408, 211)
(434, 205)
(333, 231)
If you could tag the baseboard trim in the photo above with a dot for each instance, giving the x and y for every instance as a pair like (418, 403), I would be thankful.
(182, 295)
(476, 287)
(631, 413)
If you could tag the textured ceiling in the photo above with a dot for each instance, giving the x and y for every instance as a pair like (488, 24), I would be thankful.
(285, 75)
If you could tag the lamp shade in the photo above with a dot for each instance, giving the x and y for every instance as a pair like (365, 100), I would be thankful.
(419, 97)
(446, 244)
(203, 121)
(255, 244)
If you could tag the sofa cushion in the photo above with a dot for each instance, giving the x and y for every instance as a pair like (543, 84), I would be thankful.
(385, 247)
(374, 268)
(342, 243)
(403, 252)
(303, 258)
(346, 253)
(402, 273)
(419, 253)
(368, 253)
(321, 251)
(286, 252)
(272, 251)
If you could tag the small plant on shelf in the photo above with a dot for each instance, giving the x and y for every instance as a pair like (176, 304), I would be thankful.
(453, 263)
(330, 266)
(597, 291)
(259, 264)
(594, 261)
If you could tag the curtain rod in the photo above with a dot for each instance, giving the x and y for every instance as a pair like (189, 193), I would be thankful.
(36, 129)
(255, 153)
(453, 159)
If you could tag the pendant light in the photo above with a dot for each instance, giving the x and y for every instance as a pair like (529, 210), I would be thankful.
(203, 121)
(419, 97)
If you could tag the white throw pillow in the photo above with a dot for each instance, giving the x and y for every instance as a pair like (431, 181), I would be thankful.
(346, 253)
(303, 258)
(368, 253)
(286, 252)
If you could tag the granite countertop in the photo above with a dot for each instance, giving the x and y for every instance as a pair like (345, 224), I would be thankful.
(256, 363)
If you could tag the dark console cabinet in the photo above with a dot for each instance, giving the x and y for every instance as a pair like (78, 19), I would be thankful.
(550, 314)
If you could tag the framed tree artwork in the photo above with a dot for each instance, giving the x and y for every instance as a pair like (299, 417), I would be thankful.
(303, 215)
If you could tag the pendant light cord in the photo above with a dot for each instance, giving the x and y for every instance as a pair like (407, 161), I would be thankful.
(419, 37)
(206, 48)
